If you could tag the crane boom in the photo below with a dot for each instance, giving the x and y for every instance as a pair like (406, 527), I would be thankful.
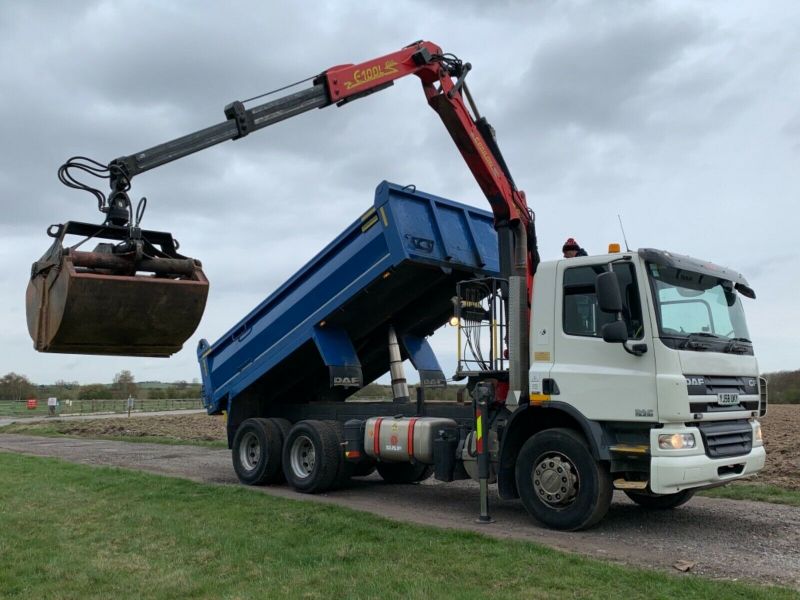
(443, 83)
(344, 83)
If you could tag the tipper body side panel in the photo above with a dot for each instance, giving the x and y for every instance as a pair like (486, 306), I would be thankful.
(398, 264)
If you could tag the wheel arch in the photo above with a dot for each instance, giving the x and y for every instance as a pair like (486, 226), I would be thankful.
(527, 421)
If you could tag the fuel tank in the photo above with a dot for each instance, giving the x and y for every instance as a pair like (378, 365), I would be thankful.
(401, 439)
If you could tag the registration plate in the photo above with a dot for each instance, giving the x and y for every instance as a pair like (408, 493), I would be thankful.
(727, 399)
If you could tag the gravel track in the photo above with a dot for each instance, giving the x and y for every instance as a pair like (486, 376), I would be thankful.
(730, 539)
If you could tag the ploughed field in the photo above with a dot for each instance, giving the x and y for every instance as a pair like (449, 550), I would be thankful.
(780, 429)
(187, 428)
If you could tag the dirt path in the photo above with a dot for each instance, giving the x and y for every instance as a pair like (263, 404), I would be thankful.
(725, 538)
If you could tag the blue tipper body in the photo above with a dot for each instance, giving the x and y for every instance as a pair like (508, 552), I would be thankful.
(324, 333)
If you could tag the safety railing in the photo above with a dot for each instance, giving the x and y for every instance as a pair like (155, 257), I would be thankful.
(26, 408)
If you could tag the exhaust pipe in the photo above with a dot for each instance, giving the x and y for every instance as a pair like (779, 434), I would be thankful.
(399, 384)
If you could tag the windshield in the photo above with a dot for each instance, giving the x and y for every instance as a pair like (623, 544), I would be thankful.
(698, 311)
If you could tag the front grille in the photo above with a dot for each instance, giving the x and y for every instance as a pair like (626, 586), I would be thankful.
(703, 393)
(711, 385)
(721, 440)
(713, 407)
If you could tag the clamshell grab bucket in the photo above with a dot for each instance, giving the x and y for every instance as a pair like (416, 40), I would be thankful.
(129, 303)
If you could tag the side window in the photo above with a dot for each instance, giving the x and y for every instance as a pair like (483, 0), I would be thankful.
(583, 317)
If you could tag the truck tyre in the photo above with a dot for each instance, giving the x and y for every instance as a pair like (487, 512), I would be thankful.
(559, 481)
(660, 501)
(404, 472)
(346, 468)
(311, 457)
(256, 452)
(284, 425)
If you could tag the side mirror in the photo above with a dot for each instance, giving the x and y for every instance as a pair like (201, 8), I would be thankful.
(608, 295)
(615, 332)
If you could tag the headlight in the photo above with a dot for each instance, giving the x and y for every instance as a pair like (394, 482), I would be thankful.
(758, 440)
(676, 441)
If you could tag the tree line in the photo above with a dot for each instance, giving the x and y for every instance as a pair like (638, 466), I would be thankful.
(14, 386)
(784, 388)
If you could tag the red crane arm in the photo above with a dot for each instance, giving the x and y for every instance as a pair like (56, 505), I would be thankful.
(442, 76)
(427, 61)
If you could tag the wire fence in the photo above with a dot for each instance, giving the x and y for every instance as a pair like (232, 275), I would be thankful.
(26, 408)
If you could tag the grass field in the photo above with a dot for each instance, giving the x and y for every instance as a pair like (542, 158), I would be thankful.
(755, 491)
(70, 531)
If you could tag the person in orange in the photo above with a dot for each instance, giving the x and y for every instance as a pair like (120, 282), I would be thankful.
(572, 249)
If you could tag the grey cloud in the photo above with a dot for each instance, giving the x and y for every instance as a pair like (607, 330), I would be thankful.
(596, 82)
(641, 108)
(792, 130)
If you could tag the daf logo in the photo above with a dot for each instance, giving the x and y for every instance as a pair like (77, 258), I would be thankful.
(695, 381)
(346, 381)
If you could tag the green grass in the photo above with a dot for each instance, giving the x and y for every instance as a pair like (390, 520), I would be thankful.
(71, 531)
(759, 492)
(62, 429)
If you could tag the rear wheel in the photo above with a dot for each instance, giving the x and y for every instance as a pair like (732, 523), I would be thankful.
(346, 468)
(559, 481)
(284, 426)
(257, 452)
(660, 501)
(404, 472)
(311, 457)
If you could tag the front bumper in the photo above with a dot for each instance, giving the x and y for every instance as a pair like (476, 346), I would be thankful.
(670, 474)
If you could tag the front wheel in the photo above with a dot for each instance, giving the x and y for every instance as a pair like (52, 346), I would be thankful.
(660, 501)
(559, 481)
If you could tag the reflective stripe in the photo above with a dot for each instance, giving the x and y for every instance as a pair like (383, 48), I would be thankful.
(411, 423)
(479, 433)
(376, 439)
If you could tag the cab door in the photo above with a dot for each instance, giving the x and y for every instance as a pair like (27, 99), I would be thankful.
(601, 379)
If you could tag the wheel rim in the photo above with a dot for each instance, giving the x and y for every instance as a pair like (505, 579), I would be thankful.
(250, 451)
(302, 457)
(555, 479)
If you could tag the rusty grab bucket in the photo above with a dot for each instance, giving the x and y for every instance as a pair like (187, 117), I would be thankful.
(129, 299)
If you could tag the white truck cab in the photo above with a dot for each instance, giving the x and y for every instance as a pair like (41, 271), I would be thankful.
(667, 378)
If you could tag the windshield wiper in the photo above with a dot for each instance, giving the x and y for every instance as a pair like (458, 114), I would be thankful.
(736, 345)
(694, 343)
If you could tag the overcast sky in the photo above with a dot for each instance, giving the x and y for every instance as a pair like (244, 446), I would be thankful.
(683, 117)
